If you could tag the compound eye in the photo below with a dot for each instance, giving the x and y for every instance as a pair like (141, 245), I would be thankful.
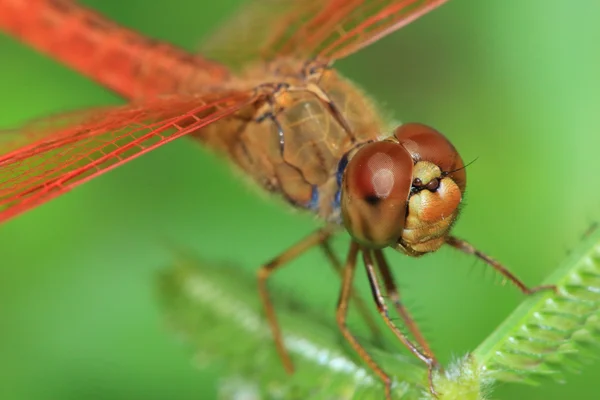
(426, 144)
(377, 183)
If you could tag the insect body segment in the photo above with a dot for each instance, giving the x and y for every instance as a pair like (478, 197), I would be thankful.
(292, 143)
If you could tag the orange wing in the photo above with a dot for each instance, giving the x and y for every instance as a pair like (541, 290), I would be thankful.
(54, 155)
(323, 29)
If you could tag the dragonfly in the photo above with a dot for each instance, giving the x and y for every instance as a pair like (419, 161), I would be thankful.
(276, 108)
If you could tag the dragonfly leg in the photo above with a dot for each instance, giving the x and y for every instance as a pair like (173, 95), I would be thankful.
(467, 248)
(342, 313)
(383, 311)
(394, 295)
(355, 297)
(266, 270)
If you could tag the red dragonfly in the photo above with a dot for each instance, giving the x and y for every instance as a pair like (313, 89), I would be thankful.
(278, 110)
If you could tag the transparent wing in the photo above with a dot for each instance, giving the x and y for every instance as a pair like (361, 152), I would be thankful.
(357, 24)
(51, 156)
(324, 29)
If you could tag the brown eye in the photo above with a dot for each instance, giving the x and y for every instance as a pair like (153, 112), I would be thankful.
(426, 144)
(376, 187)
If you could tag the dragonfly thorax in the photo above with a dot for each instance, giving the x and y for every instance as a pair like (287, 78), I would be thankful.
(403, 192)
(291, 144)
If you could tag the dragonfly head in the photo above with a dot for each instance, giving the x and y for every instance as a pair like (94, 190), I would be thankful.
(403, 192)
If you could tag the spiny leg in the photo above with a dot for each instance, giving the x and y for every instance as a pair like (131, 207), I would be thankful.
(342, 313)
(467, 248)
(266, 270)
(355, 297)
(394, 295)
(383, 311)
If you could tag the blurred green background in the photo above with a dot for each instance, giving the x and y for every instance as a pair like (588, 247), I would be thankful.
(513, 83)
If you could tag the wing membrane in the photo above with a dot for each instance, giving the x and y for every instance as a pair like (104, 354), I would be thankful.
(54, 155)
(324, 29)
(357, 24)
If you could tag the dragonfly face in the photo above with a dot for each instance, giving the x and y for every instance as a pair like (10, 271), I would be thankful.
(403, 192)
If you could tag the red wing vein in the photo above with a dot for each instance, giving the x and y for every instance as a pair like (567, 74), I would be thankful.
(266, 30)
(371, 22)
(35, 173)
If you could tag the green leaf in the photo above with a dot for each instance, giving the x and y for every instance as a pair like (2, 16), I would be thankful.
(550, 333)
